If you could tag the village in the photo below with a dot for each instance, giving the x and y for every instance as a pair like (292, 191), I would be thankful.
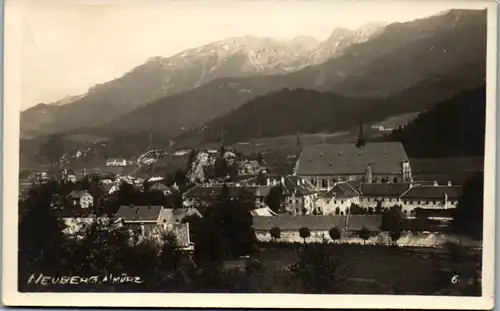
(344, 187)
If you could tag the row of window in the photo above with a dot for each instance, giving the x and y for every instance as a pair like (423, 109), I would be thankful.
(409, 201)
(334, 201)
(324, 182)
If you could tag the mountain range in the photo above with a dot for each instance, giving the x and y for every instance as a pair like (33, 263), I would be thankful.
(370, 73)
(429, 55)
(160, 77)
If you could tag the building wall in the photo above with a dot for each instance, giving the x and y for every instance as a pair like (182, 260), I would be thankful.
(292, 236)
(296, 204)
(371, 201)
(409, 206)
(325, 182)
(329, 205)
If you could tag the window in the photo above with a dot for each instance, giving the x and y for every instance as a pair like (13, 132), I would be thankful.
(390, 199)
(404, 211)
(324, 183)
(342, 202)
(327, 201)
(434, 202)
(335, 202)
(404, 202)
(296, 201)
(426, 202)
(418, 202)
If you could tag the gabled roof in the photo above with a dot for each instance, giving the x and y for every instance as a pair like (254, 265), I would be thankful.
(288, 222)
(339, 159)
(234, 191)
(383, 189)
(300, 185)
(358, 222)
(139, 213)
(433, 192)
(290, 183)
(171, 216)
(342, 191)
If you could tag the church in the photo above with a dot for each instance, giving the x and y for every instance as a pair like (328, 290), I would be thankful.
(377, 162)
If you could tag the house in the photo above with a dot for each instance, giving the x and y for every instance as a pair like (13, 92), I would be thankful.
(386, 193)
(208, 194)
(143, 218)
(180, 153)
(337, 200)
(76, 225)
(430, 197)
(117, 162)
(179, 222)
(324, 165)
(300, 194)
(156, 221)
(247, 167)
(81, 197)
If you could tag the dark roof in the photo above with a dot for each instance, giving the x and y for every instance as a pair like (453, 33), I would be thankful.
(340, 159)
(176, 216)
(433, 192)
(383, 189)
(139, 213)
(341, 190)
(358, 222)
(290, 183)
(234, 191)
(288, 222)
(77, 194)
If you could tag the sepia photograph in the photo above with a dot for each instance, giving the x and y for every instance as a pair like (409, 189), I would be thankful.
(311, 154)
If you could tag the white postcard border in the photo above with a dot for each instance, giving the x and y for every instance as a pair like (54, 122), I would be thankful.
(12, 98)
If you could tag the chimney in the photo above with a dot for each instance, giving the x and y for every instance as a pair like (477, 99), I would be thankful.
(268, 181)
(282, 180)
(436, 184)
(449, 183)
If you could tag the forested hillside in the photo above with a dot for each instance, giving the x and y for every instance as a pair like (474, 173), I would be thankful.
(288, 111)
(454, 127)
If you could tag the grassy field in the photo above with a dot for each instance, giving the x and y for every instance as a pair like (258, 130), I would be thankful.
(372, 270)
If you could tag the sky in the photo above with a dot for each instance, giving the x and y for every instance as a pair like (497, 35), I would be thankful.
(67, 47)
